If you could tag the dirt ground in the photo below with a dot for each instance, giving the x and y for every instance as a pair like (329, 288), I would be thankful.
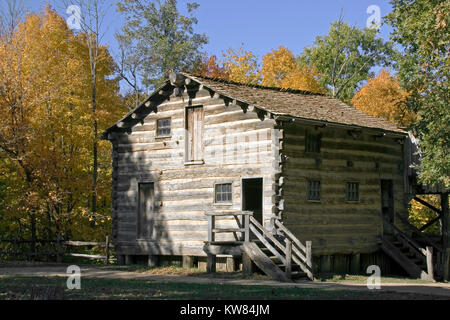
(439, 290)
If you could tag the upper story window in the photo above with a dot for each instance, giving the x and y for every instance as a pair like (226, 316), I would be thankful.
(163, 127)
(313, 142)
(223, 193)
(352, 193)
(313, 190)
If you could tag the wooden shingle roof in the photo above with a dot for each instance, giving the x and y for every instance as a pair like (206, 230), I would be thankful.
(296, 103)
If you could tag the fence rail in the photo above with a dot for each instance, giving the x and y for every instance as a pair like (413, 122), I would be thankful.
(59, 253)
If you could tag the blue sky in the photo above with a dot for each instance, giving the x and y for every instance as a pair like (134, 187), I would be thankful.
(257, 25)
(260, 25)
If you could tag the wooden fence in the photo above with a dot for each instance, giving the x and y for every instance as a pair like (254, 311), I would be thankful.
(58, 249)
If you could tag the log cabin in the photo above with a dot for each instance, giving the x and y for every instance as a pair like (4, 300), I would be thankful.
(209, 172)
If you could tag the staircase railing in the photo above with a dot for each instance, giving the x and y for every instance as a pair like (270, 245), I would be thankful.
(289, 250)
(243, 225)
(424, 254)
(302, 253)
(292, 250)
(419, 233)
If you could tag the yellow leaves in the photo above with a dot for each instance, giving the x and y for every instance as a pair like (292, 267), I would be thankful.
(419, 215)
(383, 97)
(241, 66)
(281, 70)
(46, 119)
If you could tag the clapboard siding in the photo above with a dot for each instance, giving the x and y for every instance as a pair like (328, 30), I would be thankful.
(236, 145)
(334, 225)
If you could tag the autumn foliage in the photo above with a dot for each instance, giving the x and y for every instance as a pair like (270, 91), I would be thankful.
(383, 97)
(45, 131)
(279, 69)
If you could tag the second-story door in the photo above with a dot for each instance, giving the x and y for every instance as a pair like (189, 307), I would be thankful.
(194, 135)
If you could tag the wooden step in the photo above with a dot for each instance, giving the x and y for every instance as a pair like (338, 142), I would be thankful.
(228, 230)
(225, 243)
(263, 262)
(299, 275)
(407, 264)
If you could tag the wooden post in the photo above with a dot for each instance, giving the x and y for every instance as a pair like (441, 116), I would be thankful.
(247, 265)
(152, 261)
(188, 262)
(231, 264)
(14, 248)
(247, 228)
(211, 226)
(430, 271)
(107, 250)
(447, 266)
(211, 263)
(288, 266)
(58, 249)
(309, 259)
(445, 234)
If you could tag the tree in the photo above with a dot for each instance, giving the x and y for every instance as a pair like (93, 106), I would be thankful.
(280, 69)
(421, 28)
(129, 64)
(241, 66)
(210, 67)
(91, 23)
(44, 125)
(344, 58)
(163, 37)
(383, 97)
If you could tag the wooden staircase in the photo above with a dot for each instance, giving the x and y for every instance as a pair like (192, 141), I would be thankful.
(277, 252)
(416, 261)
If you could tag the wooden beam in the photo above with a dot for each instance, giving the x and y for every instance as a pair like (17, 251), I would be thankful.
(177, 79)
(426, 204)
(445, 233)
(430, 223)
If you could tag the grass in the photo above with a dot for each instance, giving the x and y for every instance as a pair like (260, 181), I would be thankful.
(362, 279)
(19, 288)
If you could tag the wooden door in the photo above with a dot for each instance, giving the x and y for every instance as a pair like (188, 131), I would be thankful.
(146, 210)
(387, 205)
(194, 128)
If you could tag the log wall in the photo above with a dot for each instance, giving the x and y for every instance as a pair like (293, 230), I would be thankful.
(236, 145)
(334, 225)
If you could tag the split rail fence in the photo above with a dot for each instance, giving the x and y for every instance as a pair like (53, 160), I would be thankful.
(56, 249)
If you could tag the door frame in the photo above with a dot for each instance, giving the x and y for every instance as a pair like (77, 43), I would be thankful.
(391, 206)
(262, 195)
(138, 213)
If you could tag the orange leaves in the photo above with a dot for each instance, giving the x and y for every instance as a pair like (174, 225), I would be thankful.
(210, 67)
(281, 70)
(384, 98)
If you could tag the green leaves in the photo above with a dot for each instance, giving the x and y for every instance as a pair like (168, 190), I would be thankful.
(162, 37)
(422, 28)
(345, 58)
